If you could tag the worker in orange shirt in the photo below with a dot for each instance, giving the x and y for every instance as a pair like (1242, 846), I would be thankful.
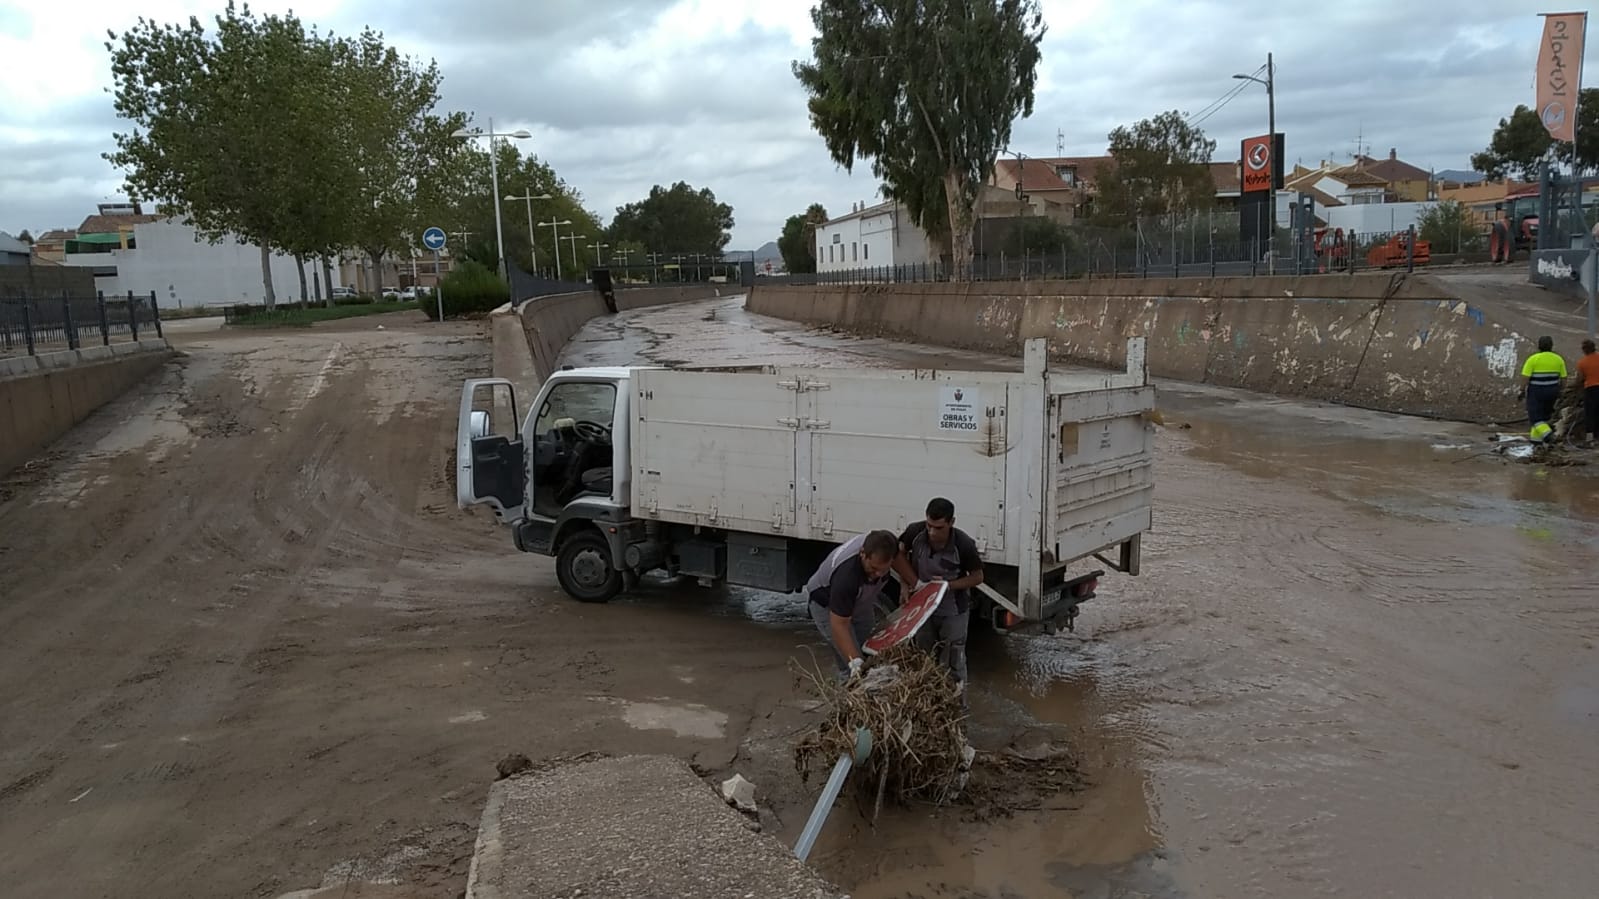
(1588, 371)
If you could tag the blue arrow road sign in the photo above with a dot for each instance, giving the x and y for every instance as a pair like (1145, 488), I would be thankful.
(433, 238)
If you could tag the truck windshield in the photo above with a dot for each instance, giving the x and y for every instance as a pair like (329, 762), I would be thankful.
(592, 401)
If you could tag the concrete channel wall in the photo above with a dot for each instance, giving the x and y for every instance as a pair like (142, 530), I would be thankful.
(549, 322)
(42, 397)
(1391, 342)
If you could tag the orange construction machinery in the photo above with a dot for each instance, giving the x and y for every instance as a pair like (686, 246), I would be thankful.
(1334, 248)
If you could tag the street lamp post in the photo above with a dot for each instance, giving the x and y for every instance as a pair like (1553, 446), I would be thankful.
(1270, 83)
(494, 175)
(555, 232)
(574, 238)
(532, 246)
(597, 248)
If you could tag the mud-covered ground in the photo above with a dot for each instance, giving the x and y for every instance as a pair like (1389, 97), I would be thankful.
(251, 647)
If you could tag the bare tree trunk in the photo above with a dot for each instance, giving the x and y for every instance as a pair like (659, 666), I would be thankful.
(269, 299)
(960, 227)
(299, 266)
(327, 278)
(377, 275)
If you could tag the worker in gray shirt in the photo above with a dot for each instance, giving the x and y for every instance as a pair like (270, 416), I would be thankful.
(843, 595)
(935, 550)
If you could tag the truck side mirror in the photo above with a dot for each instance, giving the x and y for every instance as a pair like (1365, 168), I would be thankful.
(481, 425)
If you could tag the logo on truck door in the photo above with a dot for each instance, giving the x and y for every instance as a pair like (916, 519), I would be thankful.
(957, 409)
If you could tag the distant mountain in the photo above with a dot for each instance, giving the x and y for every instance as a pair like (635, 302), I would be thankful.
(1460, 176)
(767, 253)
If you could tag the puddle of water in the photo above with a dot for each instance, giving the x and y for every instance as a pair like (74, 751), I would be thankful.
(690, 720)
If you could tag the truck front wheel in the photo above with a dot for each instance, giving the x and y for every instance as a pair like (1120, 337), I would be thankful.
(585, 570)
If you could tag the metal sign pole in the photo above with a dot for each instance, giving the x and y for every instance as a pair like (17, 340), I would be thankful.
(438, 286)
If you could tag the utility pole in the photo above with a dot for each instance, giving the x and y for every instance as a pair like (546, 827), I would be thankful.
(1271, 129)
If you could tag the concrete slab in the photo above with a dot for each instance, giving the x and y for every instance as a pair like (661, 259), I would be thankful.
(627, 827)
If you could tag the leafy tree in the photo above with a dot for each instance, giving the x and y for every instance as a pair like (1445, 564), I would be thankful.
(1038, 234)
(678, 219)
(1159, 166)
(25, 237)
(927, 90)
(396, 146)
(1520, 142)
(629, 252)
(468, 204)
(1451, 228)
(207, 140)
(1516, 148)
(798, 240)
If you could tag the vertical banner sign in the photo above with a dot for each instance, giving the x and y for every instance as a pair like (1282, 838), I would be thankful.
(1258, 166)
(1560, 72)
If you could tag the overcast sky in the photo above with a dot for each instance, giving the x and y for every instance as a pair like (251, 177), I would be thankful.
(623, 94)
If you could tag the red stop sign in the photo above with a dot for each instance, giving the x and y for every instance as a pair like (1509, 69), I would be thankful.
(907, 619)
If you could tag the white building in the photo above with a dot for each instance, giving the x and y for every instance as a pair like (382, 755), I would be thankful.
(871, 236)
(145, 253)
(1375, 218)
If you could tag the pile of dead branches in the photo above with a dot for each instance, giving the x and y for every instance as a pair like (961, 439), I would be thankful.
(1567, 421)
(910, 704)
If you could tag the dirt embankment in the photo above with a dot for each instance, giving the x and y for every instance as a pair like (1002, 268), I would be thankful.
(252, 647)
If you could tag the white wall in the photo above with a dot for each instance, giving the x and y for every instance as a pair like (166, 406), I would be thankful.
(1373, 218)
(184, 270)
(880, 236)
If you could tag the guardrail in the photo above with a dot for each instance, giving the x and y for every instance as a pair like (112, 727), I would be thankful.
(32, 325)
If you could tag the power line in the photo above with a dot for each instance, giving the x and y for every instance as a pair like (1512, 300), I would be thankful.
(1216, 105)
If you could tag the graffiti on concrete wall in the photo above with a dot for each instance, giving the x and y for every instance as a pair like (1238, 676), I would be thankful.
(1501, 358)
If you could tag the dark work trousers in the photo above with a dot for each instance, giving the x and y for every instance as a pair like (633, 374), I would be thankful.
(1590, 411)
(945, 633)
(1541, 399)
(860, 625)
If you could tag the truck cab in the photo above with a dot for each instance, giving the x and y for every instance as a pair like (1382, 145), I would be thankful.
(562, 472)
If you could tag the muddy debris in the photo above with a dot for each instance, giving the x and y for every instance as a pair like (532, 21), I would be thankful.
(513, 764)
(920, 751)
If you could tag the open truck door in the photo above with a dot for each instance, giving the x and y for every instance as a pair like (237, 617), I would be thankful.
(489, 456)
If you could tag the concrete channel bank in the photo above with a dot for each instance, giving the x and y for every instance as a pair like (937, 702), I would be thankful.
(1392, 342)
(549, 322)
(42, 397)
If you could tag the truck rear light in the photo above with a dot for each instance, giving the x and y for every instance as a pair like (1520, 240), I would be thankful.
(1086, 588)
(1011, 619)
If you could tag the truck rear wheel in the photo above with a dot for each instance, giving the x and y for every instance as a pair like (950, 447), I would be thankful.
(585, 570)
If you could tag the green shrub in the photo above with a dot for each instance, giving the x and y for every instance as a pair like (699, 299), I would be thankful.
(471, 288)
(360, 299)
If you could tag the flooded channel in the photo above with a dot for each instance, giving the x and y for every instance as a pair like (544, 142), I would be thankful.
(1363, 660)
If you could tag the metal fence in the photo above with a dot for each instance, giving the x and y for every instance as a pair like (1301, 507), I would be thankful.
(1152, 253)
(34, 324)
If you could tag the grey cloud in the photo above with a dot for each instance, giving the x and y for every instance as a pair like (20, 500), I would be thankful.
(691, 85)
(516, 26)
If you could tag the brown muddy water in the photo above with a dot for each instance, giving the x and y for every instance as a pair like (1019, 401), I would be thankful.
(1361, 661)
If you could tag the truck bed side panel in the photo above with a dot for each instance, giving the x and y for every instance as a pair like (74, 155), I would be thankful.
(882, 444)
(714, 449)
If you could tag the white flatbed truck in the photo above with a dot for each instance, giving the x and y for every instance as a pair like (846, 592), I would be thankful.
(752, 475)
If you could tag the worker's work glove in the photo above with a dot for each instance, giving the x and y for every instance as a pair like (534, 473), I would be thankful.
(919, 585)
(856, 665)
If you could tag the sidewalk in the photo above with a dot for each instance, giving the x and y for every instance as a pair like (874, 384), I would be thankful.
(623, 828)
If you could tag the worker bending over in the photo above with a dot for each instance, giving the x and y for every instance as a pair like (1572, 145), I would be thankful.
(843, 595)
(935, 550)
